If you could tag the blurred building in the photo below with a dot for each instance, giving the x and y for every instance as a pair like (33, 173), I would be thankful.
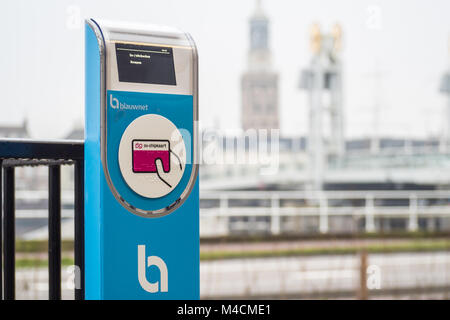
(260, 82)
(77, 133)
(445, 89)
(323, 182)
(14, 131)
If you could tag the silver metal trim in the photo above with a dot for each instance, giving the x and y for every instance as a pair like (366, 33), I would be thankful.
(103, 127)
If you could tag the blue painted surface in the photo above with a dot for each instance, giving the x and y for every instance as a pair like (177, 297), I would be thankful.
(93, 170)
(112, 233)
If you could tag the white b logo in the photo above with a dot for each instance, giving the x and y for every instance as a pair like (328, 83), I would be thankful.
(148, 286)
(114, 102)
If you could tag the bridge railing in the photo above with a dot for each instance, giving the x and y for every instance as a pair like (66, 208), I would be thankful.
(18, 153)
(365, 205)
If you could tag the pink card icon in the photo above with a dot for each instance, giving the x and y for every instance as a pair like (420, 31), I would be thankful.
(145, 153)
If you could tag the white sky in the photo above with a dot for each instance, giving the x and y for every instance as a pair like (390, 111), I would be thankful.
(42, 59)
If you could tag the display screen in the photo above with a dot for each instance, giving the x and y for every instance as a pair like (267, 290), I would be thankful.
(145, 64)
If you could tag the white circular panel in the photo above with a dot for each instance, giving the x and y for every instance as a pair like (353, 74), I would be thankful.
(152, 156)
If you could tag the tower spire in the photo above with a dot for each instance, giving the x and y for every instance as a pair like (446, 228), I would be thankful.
(260, 82)
(259, 12)
(259, 29)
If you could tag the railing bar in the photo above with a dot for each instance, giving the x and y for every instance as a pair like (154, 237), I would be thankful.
(79, 230)
(34, 149)
(9, 234)
(54, 232)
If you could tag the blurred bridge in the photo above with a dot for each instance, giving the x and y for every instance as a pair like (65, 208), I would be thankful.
(288, 212)
(224, 213)
(378, 185)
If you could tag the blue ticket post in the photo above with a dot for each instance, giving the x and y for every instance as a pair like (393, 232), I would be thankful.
(141, 173)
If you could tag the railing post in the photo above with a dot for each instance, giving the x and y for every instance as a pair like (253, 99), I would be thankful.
(18, 152)
(54, 232)
(79, 230)
(9, 234)
(413, 223)
(223, 211)
(275, 215)
(362, 293)
(370, 221)
(323, 219)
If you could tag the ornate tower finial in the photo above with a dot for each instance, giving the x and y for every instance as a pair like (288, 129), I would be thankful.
(315, 38)
(336, 33)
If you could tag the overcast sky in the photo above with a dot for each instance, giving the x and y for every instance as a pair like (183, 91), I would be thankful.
(395, 52)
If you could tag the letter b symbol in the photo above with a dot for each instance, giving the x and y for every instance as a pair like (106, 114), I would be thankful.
(114, 102)
(148, 286)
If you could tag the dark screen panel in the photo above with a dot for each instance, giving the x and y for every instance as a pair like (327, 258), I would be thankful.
(145, 64)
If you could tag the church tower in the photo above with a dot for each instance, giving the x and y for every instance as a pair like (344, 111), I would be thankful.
(259, 84)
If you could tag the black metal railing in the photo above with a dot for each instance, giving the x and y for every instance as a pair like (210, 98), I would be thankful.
(16, 153)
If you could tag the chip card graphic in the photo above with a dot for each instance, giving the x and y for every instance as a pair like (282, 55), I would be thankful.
(146, 152)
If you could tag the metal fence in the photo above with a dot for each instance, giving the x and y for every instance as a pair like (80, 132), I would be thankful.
(17, 153)
(275, 208)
